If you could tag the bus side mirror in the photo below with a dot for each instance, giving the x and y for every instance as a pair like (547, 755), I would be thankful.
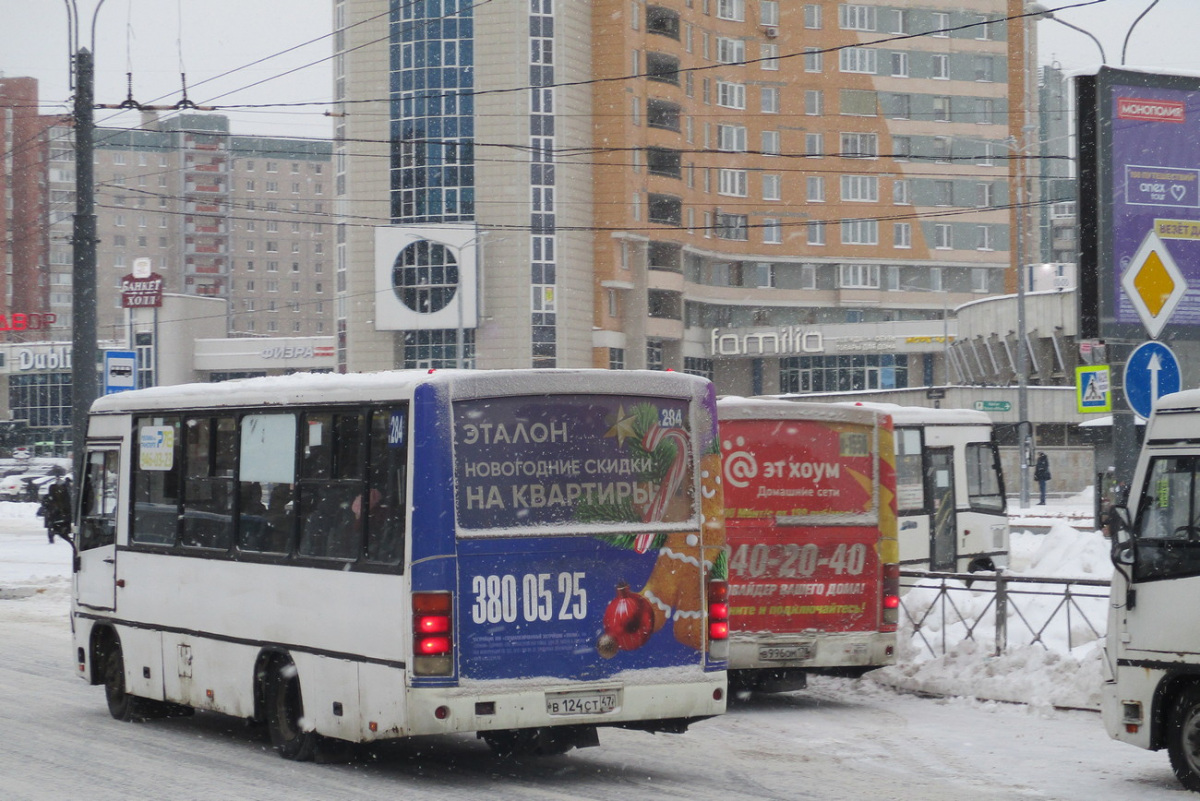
(1118, 527)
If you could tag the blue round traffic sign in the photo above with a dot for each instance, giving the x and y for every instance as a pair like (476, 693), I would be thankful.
(1150, 372)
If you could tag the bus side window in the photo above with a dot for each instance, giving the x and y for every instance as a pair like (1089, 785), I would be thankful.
(99, 520)
(267, 472)
(208, 484)
(331, 481)
(156, 477)
(388, 480)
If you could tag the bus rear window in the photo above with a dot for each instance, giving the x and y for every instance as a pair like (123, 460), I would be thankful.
(560, 460)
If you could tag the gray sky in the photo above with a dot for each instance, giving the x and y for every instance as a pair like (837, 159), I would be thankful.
(152, 38)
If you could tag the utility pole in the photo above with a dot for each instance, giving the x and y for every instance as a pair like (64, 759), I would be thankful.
(84, 384)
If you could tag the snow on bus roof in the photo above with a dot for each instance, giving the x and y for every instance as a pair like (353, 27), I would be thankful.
(916, 415)
(350, 387)
(730, 406)
(1188, 399)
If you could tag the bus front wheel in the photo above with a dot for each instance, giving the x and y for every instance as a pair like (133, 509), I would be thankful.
(1183, 737)
(285, 713)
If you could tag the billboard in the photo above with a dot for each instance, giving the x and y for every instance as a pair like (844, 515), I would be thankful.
(1139, 205)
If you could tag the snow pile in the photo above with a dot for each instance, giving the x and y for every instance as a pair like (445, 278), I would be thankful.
(35, 576)
(947, 644)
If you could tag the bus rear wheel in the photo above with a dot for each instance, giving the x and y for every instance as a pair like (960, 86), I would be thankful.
(1183, 737)
(285, 713)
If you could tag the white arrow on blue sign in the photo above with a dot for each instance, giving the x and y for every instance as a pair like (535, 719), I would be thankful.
(1151, 372)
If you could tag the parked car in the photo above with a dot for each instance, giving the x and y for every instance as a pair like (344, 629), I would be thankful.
(26, 486)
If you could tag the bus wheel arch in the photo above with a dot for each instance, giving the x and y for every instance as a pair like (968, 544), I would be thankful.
(108, 668)
(283, 710)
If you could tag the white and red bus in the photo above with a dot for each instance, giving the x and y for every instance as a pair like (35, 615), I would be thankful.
(528, 555)
(810, 515)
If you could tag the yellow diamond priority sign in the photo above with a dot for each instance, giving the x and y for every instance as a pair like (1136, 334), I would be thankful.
(1154, 284)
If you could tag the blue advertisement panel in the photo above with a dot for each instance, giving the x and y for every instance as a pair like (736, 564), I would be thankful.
(1140, 150)
(625, 593)
(566, 459)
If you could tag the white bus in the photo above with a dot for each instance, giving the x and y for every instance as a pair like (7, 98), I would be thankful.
(949, 489)
(528, 555)
(1151, 695)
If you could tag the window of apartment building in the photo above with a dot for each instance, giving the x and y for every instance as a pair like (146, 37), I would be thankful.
(731, 183)
(772, 231)
(816, 232)
(662, 21)
(940, 67)
(860, 188)
(902, 235)
(119, 220)
(985, 69)
(768, 55)
(664, 161)
(662, 114)
(730, 51)
(901, 107)
(853, 17)
(979, 279)
(943, 236)
(942, 148)
(813, 102)
(770, 143)
(943, 193)
(984, 237)
(272, 226)
(858, 59)
(987, 29)
(860, 232)
(272, 246)
(295, 226)
(732, 10)
(812, 16)
(665, 209)
(813, 59)
(936, 279)
(987, 158)
(768, 12)
(941, 21)
(272, 266)
(899, 64)
(898, 20)
(815, 189)
(860, 145)
(772, 186)
(735, 227)
(731, 95)
(941, 108)
(985, 195)
(662, 67)
(769, 100)
(858, 276)
(814, 146)
(272, 166)
(900, 192)
(985, 110)
(902, 147)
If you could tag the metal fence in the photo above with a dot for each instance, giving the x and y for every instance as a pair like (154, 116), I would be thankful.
(1021, 610)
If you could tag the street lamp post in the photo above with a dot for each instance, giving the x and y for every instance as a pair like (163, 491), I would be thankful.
(84, 383)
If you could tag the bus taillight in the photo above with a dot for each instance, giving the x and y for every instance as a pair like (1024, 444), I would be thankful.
(891, 595)
(433, 634)
(718, 610)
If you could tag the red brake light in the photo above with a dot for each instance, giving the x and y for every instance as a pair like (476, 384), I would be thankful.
(718, 610)
(433, 633)
(890, 600)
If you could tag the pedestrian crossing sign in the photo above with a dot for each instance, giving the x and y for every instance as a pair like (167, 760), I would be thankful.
(1093, 392)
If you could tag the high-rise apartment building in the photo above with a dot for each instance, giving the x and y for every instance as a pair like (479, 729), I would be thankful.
(782, 196)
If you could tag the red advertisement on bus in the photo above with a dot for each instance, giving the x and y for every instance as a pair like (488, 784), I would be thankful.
(811, 525)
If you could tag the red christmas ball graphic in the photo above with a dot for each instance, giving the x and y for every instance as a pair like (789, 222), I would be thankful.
(628, 620)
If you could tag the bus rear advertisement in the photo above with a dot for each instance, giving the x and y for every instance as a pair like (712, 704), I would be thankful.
(527, 555)
(811, 523)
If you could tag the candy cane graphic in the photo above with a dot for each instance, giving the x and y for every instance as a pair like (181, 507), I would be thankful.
(670, 484)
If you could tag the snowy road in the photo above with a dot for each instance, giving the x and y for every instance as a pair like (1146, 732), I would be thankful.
(839, 740)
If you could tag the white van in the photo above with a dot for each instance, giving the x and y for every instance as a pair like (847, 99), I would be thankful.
(1151, 695)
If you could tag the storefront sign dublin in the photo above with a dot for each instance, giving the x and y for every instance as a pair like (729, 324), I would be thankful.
(785, 340)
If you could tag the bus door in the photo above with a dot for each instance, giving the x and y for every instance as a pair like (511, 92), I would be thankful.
(96, 563)
(943, 510)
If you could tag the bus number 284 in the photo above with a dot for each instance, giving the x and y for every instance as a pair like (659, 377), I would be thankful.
(499, 599)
